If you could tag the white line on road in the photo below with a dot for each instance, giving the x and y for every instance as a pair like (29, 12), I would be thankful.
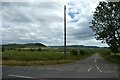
(90, 68)
(109, 71)
(49, 68)
(95, 58)
(57, 69)
(19, 76)
(98, 68)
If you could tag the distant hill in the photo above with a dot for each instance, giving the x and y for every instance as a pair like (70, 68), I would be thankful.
(75, 46)
(28, 45)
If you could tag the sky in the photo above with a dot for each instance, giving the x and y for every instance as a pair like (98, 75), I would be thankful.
(43, 22)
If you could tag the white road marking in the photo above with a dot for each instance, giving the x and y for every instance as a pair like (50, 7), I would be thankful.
(95, 59)
(109, 71)
(58, 69)
(49, 68)
(98, 68)
(19, 76)
(90, 68)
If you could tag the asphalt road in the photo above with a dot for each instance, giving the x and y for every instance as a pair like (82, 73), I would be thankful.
(92, 67)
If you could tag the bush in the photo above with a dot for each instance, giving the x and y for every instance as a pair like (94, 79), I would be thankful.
(74, 52)
(19, 49)
(106, 52)
(31, 49)
(3, 49)
(39, 49)
(11, 48)
(82, 52)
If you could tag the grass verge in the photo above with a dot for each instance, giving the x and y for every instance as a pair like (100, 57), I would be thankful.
(110, 57)
(34, 63)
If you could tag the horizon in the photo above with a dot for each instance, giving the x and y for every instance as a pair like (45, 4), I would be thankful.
(55, 45)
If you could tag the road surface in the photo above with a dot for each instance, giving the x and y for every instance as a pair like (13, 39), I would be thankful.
(92, 67)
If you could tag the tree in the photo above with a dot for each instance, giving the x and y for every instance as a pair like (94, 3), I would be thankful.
(74, 52)
(39, 49)
(106, 24)
(31, 49)
(82, 52)
(3, 49)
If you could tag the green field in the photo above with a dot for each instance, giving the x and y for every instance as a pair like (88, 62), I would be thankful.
(44, 57)
(52, 56)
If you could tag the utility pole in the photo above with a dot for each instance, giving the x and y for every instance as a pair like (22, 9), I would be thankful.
(65, 30)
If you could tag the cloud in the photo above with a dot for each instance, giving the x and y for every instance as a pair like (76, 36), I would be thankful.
(31, 22)
(78, 24)
(25, 22)
(80, 29)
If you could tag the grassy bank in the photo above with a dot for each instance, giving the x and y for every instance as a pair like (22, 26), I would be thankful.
(111, 57)
(34, 63)
(44, 57)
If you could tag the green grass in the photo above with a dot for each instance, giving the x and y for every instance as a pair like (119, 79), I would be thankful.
(111, 58)
(34, 63)
(45, 57)
(31, 56)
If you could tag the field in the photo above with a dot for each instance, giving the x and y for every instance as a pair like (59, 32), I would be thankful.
(52, 56)
(46, 56)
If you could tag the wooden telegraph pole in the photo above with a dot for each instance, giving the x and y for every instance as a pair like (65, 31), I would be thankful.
(65, 30)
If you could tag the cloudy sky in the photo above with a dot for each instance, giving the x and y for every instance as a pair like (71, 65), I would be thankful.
(27, 22)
